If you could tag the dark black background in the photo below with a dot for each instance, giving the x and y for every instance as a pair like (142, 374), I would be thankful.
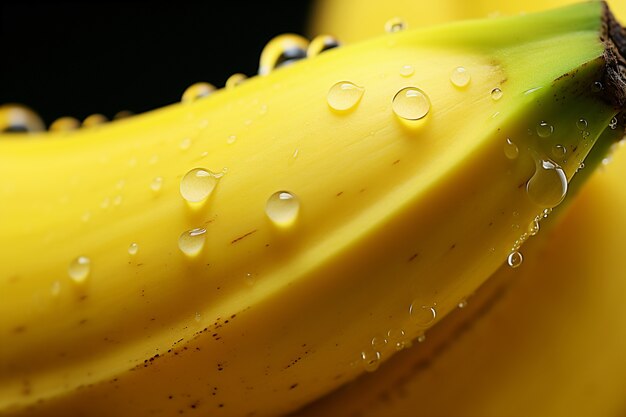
(75, 59)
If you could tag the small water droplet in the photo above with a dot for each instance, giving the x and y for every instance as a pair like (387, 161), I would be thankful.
(79, 269)
(548, 186)
(460, 77)
(235, 80)
(559, 151)
(546, 212)
(321, 44)
(462, 304)
(85, 216)
(197, 91)
(55, 288)
(532, 90)
(544, 129)
(117, 200)
(582, 124)
(250, 278)
(397, 338)
(581, 166)
(281, 51)
(379, 343)
(197, 317)
(64, 124)
(533, 227)
(407, 70)
(154, 159)
(596, 87)
(198, 184)
(192, 241)
(105, 203)
(95, 120)
(282, 208)
(395, 24)
(511, 151)
(514, 259)
(185, 144)
(344, 95)
(411, 103)
(231, 139)
(296, 152)
(613, 123)
(496, 94)
(421, 338)
(133, 248)
(122, 114)
(371, 359)
(422, 315)
(156, 184)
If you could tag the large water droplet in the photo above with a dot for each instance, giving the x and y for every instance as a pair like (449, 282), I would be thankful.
(282, 50)
(282, 208)
(411, 103)
(395, 24)
(371, 359)
(133, 248)
(197, 91)
(197, 184)
(79, 269)
(321, 44)
(548, 186)
(344, 95)
(19, 118)
(511, 151)
(460, 77)
(514, 259)
(544, 129)
(422, 315)
(192, 241)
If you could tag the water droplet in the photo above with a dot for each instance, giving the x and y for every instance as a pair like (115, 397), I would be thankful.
(192, 241)
(231, 139)
(64, 124)
(582, 124)
(533, 227)
(117, 200)
(511, 151)
(95, 120)
(407, 70)
(422, 315)
(496, 94)
(379, 343)
(397, 338)
(197, 317)
(156, 184)
(532, 90)
(514, 259)
(613, 123)
(250, 278)
(153, 159)
(548, 186)
(371, 359)
(460, 77)
(133, 248)
(321, 44)
(559, 151)
(395, 24)
(79, 269)
(105, 203)
(197, 91)
(596, 87)
(55, 288)
(234, 80)
(546, 213)
(581, 166)
(197, 185)
(282, 208)
(411, 103)
(421, 338)
(462, 304)
(344, 95)
(281, 51)
(18, 118)
(544, 129)
(85, 216)
(185, 144)
(122, 114)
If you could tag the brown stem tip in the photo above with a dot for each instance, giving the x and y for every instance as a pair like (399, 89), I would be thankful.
(614, 37)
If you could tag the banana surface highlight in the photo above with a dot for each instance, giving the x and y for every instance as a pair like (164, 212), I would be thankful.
(217, 250)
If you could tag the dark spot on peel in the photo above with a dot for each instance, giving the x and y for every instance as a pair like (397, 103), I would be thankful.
(413, 256)
(243, 237)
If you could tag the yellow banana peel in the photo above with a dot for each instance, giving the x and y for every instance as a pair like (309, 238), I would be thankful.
(249, 250)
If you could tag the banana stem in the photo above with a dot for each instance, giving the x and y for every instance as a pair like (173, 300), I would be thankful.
(614, 37)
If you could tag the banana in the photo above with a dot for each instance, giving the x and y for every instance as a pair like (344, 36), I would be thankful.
(216, 250)
(366, 19)
(547, 339)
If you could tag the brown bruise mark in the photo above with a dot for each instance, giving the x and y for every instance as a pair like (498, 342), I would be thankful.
(339, 194)
(397, 161)
(415, 255)
(293, 386)
(19, 329)
(242, 237)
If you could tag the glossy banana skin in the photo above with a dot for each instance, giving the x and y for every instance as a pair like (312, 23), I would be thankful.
(157, 331)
